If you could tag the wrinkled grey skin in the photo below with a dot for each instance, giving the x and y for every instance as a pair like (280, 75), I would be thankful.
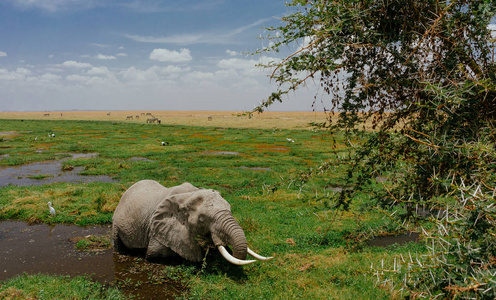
(169, 221)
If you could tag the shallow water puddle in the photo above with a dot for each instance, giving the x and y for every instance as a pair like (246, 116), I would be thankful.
(255, 168)
(137, 158)
(40, 173)
(41, 248)
(47, 249)
(8, 134)
(220, 153)
(388, 240)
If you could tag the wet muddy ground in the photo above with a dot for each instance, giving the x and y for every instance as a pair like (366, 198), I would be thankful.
(47, 249)
(40, 173)
(388, 240)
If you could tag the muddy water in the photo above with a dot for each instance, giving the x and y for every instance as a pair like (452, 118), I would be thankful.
(46, 249)
(221, 153)
(24, 175)
(137, 158)
(388, 240)
(256, 168)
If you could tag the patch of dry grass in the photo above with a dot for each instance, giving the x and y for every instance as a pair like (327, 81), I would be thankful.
(12, 293)
(231, 119)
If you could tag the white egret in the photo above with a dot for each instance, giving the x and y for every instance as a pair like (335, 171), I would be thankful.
(51, 209)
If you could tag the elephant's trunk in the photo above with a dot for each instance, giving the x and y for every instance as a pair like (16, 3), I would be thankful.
(226, 231)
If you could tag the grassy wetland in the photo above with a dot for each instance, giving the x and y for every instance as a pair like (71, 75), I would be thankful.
(320, 252)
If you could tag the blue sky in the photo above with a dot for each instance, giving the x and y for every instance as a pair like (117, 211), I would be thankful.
(137, 55)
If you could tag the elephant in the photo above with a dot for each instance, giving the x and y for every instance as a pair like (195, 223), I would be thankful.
(166, 222)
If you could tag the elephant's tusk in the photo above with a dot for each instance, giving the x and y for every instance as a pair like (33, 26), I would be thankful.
(259, 257)
(232, 259)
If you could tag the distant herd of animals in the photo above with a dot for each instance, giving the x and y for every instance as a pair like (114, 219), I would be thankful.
(151, 118)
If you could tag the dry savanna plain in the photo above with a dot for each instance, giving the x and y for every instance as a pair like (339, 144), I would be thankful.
(232, 119)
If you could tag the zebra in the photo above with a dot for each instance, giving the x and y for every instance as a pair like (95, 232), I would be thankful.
(153, 120)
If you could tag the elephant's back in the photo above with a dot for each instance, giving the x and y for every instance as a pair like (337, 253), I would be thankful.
(132, 215)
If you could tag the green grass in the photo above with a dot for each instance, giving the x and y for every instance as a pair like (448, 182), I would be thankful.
(320, 252)
(55, 287)
(93, 243)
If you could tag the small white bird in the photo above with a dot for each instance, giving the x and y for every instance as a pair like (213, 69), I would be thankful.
(52, 210)
(36, 138)
(53, 134)
(163, 143)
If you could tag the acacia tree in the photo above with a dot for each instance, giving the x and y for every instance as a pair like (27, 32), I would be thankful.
(423, 73)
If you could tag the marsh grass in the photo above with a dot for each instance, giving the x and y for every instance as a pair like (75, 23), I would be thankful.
(320, 251)
(55, 287)
(39, 177)
(92, 242)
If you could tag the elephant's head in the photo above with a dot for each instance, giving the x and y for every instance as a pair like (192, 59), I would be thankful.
(180, 222)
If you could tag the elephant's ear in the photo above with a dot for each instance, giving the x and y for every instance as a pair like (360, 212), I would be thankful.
(170, 228)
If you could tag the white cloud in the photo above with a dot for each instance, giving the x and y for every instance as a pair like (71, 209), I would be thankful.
(75, 64)
(138, 77)
(231, 52)
(18, 74)
(99, 71)
(78, 78)
(50, 77)
(169, 71)
(237, 63)
(199, 76)
(2, 54)
(153, 74)
(91, 81)
(54, 69)
(174, 69)
(173, 39)
(56, 5)
(247, 67)
(214, 37)
(105, 57)
(100, 45)
(146, 6)
(172, 56)
(121, 54)
(23, 71)
(246, 27)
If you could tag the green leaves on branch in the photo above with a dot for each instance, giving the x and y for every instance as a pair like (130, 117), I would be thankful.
(423, 74)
